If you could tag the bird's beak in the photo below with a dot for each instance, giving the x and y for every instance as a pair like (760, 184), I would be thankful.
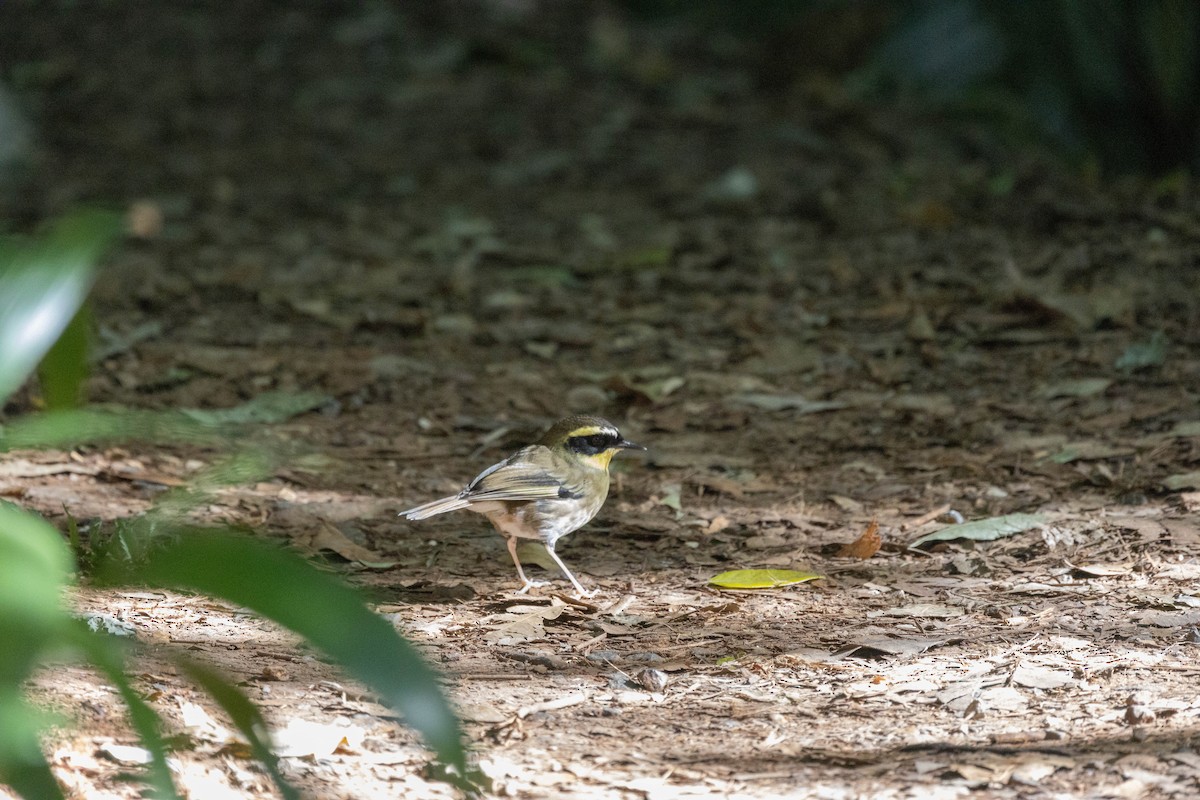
(625, 444)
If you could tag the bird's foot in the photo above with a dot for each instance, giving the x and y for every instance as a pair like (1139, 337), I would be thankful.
(528, 584)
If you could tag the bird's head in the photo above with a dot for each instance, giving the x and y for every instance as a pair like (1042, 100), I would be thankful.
(589, 440)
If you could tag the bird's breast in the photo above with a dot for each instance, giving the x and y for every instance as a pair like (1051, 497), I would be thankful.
(547, 520)
(563, 516)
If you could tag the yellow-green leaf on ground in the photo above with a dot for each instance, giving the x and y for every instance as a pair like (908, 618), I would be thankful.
(760, 578)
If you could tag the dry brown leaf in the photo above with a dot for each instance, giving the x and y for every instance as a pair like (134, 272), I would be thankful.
(930, 215)
(1101, 570)
(144, 219)
(864, 546)
(652, 390)
(846, 503)
(717, 524)
(716, 484)
(1039, 677)
(327, 537)
(302, 738)
(919, 328)
(521, 623)
(927, 610)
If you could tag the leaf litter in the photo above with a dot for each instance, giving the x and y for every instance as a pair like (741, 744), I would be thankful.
(804, 351)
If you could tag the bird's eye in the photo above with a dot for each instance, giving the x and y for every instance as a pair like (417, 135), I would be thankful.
(598, 441)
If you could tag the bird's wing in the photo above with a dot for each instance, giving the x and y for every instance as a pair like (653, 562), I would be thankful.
(526, 475)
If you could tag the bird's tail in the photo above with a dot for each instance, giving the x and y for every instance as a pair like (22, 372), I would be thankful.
(434, 507)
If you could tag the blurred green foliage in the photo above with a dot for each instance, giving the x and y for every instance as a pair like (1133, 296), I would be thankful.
(43, 284)
(64, 368)
(1111, 80)
(1116, 82)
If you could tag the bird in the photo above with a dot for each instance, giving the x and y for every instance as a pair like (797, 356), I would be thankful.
(543, 491)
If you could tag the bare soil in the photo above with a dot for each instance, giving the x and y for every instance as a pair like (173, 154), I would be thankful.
(462, 222)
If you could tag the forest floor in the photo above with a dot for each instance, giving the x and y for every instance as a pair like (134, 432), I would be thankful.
(815, 313)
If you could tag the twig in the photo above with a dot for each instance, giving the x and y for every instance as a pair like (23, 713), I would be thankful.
(574, 601)
(618, 607)
(925, 518)
(592, 642)
(552, 705)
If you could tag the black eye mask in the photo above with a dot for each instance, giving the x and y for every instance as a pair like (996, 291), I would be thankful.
(591, 445)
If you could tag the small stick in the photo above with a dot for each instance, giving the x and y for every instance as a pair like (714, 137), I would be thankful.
(592, 642)
(924, 518)
(618, 607)
(574, 601)
(552, 705)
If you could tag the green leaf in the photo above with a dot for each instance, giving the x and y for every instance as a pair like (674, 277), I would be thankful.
(65, 368)
(1183, 480)
(66, 429)
(23, 767)
(984, 530)
(283, 587)
(244, 715)
(32, 777)
(1141, 355)
(108, 656)
(266, 408)
(34, 564)
(760, 578)
(43, 283)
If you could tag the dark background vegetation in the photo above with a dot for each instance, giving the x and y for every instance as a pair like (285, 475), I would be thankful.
(1110, 84)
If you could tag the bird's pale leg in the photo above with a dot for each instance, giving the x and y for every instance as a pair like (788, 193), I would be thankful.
(578, 586)
(526, 584)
